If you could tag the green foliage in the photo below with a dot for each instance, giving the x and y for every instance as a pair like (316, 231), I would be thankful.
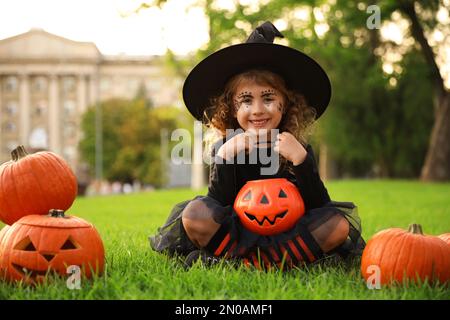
(372, 126)
(131, 139)
(134, 271)
(370, 122)
(141, 95)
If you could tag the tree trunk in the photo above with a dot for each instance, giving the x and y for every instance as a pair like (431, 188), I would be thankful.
(327, 168)
(437, 161)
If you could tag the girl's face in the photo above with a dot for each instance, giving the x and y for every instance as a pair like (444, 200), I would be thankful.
(258, 106)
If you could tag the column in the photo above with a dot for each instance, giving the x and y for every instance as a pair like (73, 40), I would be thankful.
(54, 115)
(24, 109)
(327, 168)
(165, 160)
(93, 89)
(197, 169)
(82, 104)
(81, 94)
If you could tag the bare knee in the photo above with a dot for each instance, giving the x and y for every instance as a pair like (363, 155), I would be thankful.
(342, 230)
(196, 210)
(199, 227)
(332, 233)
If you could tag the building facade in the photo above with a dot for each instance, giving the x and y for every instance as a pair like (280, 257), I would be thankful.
(47, 82)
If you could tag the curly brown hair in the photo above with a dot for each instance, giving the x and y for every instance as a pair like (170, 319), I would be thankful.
(297, 119)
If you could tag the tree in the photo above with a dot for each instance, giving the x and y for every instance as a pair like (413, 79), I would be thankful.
(376, 119)
(141, 94)
(437, 162)
(113, 111)
(423, 21)
(131, 135)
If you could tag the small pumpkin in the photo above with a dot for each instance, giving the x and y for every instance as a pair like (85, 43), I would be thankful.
(445, 237)
(269, 206)
(34, 184)
(36, 245)
(401, 254)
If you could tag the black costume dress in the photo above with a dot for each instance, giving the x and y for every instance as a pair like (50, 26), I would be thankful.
(225, 182)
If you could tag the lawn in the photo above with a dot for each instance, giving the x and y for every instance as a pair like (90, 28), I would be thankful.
(134, 271)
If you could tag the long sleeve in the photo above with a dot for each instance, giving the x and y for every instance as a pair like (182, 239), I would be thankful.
(222, 182)
(310, 185)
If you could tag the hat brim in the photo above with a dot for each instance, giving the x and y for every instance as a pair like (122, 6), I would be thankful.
(301, 73)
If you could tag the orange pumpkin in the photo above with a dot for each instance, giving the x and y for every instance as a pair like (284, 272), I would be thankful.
(34, 184)
(445, 237)
(36, 245)
(401, 254)
(269, 206)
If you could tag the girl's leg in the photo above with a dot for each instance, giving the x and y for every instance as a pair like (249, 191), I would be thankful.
(330, 231)
(209, 225)
(201, 221)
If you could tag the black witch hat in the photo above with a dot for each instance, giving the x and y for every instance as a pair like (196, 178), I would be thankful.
(300, 72)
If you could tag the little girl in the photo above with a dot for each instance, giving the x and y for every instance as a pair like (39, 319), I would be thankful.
(253, 88)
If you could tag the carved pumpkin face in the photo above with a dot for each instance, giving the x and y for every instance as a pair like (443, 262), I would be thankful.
(269, 206)
(36, 245)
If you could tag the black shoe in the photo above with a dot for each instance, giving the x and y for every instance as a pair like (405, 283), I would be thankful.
(206, 259)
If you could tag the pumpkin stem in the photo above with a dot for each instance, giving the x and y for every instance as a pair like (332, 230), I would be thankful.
(415, 228)
(56, 213)
(19, 153)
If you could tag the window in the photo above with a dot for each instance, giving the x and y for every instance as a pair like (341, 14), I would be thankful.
(133, 85)
(105, 84)
(154, 85)
(68, 85)
(40, 108)
(69, 153)
(70, 130)
(11, 108)
(69, 108)
(9, 127)
(11, 84)
(39, 84)
(38, 139)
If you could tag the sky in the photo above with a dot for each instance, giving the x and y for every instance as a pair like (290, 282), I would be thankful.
(150, 32)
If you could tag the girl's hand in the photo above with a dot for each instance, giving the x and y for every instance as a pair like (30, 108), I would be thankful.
(290, 148)
(243, 141)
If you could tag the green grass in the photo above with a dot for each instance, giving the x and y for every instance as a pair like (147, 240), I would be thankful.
(134, 271)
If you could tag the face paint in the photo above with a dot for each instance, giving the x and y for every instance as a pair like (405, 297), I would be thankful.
(268, 92)
(269, 98)
(244, 100)
(280, 108)
(258, 106)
